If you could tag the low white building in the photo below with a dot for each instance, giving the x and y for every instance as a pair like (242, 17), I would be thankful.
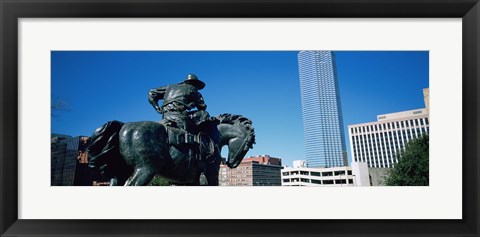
(299, 163)
(356, 175)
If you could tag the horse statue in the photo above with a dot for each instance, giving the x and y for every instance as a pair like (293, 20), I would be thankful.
(131, 154)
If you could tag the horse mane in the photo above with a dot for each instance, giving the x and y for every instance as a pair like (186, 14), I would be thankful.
(239, 120)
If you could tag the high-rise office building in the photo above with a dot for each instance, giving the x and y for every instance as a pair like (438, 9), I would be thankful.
(378, 143)
(321, 110)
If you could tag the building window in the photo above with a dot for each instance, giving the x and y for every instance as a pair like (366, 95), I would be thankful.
(341, 172)
(324, 174)
(327, 181)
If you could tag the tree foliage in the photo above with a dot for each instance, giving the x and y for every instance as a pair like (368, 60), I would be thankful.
(412, 167)
(159, 181)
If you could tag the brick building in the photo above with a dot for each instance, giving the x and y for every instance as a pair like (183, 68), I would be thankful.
(253, 171)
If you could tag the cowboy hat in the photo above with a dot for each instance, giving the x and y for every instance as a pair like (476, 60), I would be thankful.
(193, 80)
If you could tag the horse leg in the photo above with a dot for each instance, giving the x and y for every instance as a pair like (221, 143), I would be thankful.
(118, 181)
(211, 173)
(203, 181)
(114, 181)
(142, 176)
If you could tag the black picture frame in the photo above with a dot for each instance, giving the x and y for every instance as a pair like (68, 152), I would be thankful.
(11, 11)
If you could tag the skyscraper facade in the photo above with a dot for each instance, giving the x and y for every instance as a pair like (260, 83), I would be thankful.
(379, 143)
(321, 110)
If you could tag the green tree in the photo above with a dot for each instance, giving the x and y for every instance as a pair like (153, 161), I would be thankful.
(159, 181)
(412, 167)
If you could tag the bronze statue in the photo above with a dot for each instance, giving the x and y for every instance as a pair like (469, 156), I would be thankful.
(184, 147)
(178, 100)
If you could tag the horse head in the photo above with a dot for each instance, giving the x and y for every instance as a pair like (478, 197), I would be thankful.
(238, 134)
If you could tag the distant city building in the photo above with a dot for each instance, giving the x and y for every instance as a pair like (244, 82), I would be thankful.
(426, 99)
(265, 159)
(58, 153)
(361, 173)
(61, 136)
(357, 175)
(253, 171)
(321, 110)
(69, 162)
(299, 164)
(378, 143)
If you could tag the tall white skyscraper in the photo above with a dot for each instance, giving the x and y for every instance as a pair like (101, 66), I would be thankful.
(321, 110)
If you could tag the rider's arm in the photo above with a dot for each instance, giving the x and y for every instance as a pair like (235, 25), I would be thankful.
(199, 102)
(154, 95)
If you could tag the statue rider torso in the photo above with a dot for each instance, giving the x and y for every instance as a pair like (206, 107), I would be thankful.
(178, 101)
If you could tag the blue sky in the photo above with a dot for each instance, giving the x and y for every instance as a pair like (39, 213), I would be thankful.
(99, 86)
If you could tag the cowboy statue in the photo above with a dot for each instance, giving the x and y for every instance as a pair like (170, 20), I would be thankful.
(178, 100)
(184, 148)
(184, 124)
